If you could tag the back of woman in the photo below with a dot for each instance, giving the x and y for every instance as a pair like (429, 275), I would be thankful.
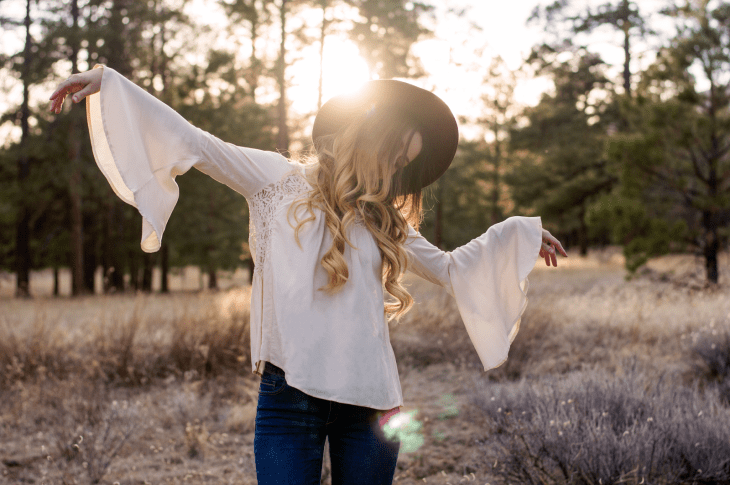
(331, 241)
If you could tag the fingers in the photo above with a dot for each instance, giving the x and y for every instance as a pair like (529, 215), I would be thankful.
(550, 247)
(67, 86)
(81, 83)
(88, 90)
(544, 254)
(63, 90)
(558, 246)
(548, 253)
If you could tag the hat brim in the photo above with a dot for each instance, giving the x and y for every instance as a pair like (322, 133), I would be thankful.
(428, 113)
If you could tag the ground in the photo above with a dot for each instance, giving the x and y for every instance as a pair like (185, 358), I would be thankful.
(184, 428)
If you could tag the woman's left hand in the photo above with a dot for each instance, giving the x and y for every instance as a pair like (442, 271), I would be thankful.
(549, 247)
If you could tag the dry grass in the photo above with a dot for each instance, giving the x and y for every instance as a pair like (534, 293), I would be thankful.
(131, 389)
(129, 340)
(597, 427)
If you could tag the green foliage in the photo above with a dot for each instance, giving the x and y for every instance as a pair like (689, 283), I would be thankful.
(560, 168)
(385, 32)
(210, 224)
(675, 162)
(152, 43)
(627, 222)
(465, 194)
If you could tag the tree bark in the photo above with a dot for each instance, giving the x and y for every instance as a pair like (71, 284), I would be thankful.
(134, 281)
(438, 223)
(56, 285)
(322, 35)
(282, 138)
(712, 246)
(254, 61)
(164, 268)
(583, 234)
(22, 235)
(627, 47)
(90, 257)
(496, 180)
(119, 60)
(212, 279)
(251, 267)
(148, 260)
(74, 189)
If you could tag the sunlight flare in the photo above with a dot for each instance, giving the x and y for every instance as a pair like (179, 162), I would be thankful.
(343, 71)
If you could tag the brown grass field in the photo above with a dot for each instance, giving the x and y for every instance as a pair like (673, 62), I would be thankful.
(610, 380)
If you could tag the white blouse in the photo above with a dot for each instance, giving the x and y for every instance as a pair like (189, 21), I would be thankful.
(334, 347)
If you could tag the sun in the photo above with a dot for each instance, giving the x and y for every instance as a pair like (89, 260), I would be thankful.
(343, 71)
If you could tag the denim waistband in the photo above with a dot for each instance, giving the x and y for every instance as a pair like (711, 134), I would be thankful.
(269, 367)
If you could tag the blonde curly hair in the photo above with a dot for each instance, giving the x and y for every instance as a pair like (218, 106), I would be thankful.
(355, 176)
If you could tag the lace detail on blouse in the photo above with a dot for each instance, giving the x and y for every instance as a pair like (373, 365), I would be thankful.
(264, 205)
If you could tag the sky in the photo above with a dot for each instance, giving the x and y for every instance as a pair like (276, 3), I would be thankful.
(454, 72)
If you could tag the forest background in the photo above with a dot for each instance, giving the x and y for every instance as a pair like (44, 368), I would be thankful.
(633, 153)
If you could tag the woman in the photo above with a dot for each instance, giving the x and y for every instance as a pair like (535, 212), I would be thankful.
(330, 239)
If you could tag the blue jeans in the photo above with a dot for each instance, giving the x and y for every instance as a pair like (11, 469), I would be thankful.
(291, 428)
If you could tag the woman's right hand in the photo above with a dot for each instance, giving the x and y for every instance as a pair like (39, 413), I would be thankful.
(81, 84)
(549, 247)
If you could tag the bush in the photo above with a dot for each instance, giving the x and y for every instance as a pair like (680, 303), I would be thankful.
(711, 347)
(587, 428)
(127, 350)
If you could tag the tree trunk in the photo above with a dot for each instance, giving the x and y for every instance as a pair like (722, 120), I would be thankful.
(496, 194)
(583, 234)
(212, 279)
(712, 246)
(118, 60)
(90, 257)
(254, 69)
(164, 268)
(627, 47)
(56, 285)
(710, 216)
(438, 223)
(113, 234)
(149, 262)
(74, 189)
(134, 282)
(322, 35)
(282, 137)
(22, 235)
(251, 267)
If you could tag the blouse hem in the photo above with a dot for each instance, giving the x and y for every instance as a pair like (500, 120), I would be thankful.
(319, 395)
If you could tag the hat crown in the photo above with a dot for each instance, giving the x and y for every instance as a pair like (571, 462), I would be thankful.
(428, 113)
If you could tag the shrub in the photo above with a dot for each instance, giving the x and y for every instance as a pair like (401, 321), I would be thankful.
(594, 428)
(711, 347)
(131, 350)
(94, 430)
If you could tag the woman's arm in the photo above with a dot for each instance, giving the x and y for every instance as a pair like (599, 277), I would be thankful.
(488, 279)
(432, 264)
(141, 145)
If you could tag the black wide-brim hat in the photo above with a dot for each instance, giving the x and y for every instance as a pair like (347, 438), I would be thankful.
(428, 113)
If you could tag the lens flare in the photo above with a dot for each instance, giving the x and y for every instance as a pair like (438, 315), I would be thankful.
(405, 428)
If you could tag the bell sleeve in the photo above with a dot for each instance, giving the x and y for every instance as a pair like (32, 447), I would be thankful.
(488, 279)
(140, 144)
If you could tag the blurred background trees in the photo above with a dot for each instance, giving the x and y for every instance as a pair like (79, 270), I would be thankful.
(633, 153)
